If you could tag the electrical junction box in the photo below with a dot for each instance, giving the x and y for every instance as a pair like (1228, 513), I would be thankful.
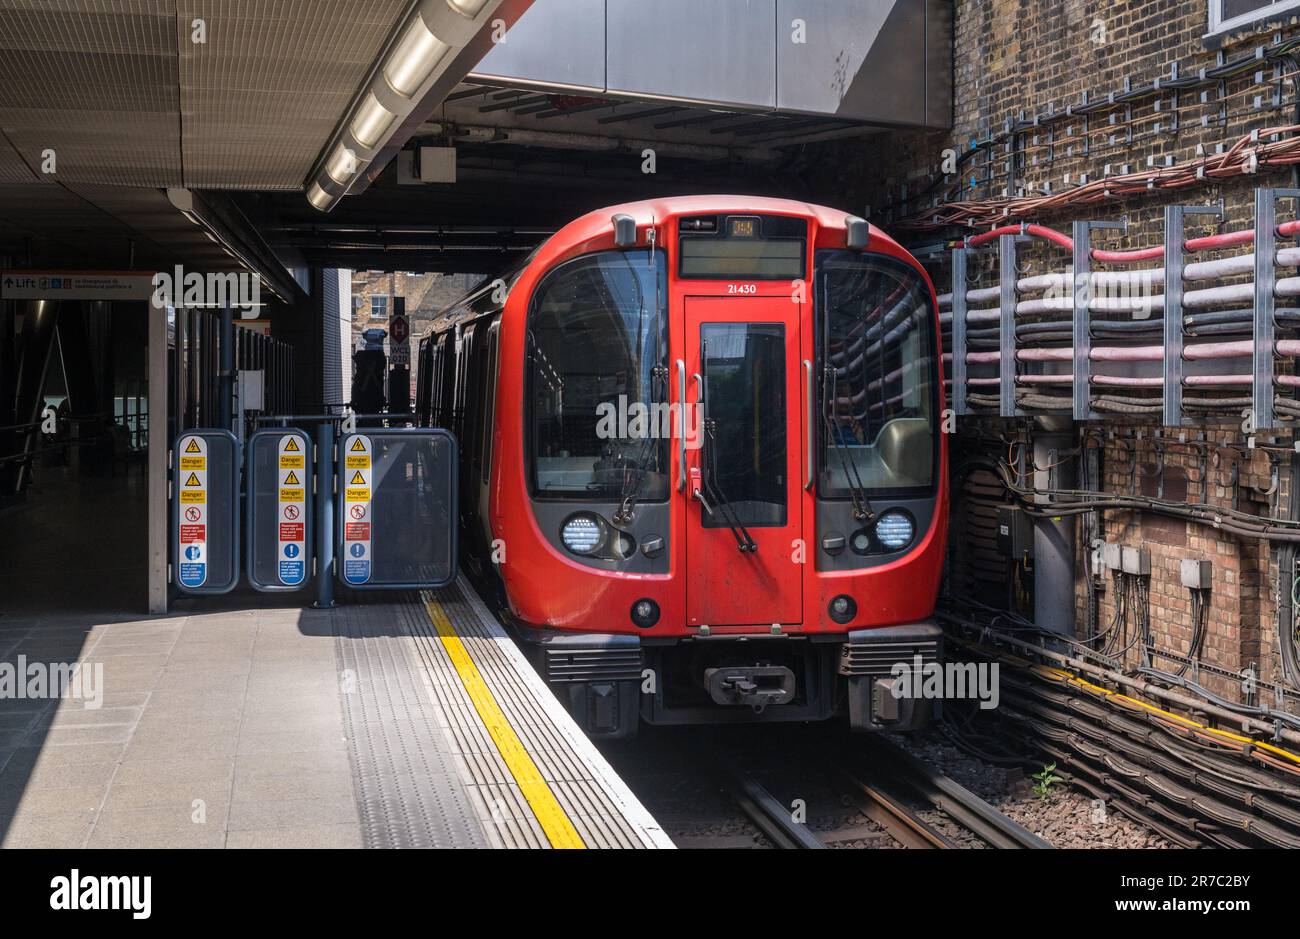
(1135, 561)
(1015, 532)
(436, 164)
(1196, 574)
(252, 386)
(1112, 556)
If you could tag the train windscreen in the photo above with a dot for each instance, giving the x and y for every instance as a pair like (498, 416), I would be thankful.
(878, 365)
(597, 328)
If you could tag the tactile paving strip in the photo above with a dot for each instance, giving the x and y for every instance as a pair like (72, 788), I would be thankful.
(603, 811)
(408, 790)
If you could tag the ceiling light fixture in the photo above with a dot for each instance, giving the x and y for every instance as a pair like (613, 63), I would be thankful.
(418, 53)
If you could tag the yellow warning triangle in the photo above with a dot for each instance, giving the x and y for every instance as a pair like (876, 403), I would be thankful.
(292, 445)
(357, 479)
(193, 446)
(291, 479)
(357, 446)
(193, 480)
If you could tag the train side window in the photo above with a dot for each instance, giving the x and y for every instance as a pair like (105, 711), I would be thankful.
(489, 387)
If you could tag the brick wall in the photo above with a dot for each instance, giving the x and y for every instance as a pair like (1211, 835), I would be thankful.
(425, 295)
(1014, 59)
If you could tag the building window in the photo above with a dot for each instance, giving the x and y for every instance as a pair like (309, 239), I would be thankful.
(1227, 15)
(379, 308)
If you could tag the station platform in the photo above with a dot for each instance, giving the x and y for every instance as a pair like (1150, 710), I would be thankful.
(411, 721)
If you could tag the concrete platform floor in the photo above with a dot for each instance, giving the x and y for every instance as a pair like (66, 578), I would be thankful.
(213, 730)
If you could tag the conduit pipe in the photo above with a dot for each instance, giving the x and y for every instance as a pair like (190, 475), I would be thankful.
(1207, 243)
(1239, 349)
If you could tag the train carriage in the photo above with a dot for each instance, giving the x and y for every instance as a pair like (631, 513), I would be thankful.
(702, 466)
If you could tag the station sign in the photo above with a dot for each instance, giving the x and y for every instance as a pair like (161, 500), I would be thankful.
(280, 483)
(398, 509)
(205, 517)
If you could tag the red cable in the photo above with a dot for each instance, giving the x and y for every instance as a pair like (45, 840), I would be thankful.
(1208, 243)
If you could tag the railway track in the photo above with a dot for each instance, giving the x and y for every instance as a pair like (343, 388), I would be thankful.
(883, 782)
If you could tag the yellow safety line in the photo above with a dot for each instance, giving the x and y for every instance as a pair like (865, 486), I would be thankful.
(555, 823)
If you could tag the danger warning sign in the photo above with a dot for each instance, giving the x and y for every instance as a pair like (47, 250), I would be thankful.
(292, 543)
(192, 522)
(356, 505)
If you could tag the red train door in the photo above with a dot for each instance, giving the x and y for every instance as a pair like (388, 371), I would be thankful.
(744, 512)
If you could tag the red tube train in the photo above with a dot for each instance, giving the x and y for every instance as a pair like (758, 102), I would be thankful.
(701, 461)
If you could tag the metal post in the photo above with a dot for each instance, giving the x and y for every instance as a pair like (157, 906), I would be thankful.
(1265, 302)
(1172, 369)
(1007, 323)
(226, 368)
(325, 515)
(1054, 537)
(156, 513)
(1081, 291)
(959, 406)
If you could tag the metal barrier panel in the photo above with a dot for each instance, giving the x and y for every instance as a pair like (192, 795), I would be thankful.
(280, 476)
(398, 509)
(205, 512)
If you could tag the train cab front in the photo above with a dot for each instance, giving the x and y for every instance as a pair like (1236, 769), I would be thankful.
(731, 470)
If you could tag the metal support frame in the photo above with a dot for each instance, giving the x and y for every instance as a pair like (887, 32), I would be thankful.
(1007, 324)
(959, 406)
(325, 472)
(159, 444)
(1175, 262)
(1081, 292)
(1265, 327)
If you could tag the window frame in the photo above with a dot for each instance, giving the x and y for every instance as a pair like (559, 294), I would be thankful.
(530, 399)
(819, 352)
(1216, 25)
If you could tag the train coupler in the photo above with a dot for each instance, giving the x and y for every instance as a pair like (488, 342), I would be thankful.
(754, 685)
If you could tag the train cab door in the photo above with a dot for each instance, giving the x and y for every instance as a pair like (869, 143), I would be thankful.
(744, 476)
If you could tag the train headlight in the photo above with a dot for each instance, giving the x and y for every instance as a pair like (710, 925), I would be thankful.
(582, 533)
(895, 529)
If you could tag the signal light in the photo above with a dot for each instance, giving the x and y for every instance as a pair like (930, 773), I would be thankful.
(842, 609)
(645, 613)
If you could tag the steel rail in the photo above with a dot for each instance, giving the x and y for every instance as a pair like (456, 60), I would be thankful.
(950, 797)
(773, 819)
(898, 821)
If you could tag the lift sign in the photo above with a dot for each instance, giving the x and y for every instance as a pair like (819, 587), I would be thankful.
(192, 519)
(292, 550)
(355, 477)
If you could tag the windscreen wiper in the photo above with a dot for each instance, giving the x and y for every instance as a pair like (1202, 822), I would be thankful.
(649, 449)
(720, 501)
(862, 509)
(709, 473)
